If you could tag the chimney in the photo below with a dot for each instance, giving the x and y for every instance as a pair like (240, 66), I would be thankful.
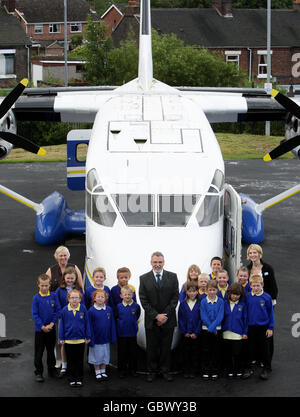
(132, 8)
(9, 5)
(223, 7)
(296, 5)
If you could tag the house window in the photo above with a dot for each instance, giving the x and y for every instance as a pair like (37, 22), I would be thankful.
(38, 29)
(54, 28)
(75, 27)
(262, 69)
(7, 63)
(233, 56)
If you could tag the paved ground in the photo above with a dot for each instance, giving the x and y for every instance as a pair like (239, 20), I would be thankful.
(22, 260)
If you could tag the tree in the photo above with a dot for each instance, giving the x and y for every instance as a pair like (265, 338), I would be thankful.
(94, 51)
(174, 64)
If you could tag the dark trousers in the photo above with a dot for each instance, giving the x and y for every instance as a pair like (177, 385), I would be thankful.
(259, 345)
(127, 353)
(44, 340)
(211, 351)
(158, 347)
(233, 359)
(75, 355)
(190, 351)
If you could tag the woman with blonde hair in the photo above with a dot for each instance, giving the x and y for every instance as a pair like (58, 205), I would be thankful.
(55, 272)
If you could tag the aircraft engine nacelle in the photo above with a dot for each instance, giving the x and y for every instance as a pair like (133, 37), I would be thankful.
(57, 220)
(7, 124)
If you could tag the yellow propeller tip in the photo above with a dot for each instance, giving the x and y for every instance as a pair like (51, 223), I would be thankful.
(267, 158)
(24, 82)
(41, 151)
(274, 92)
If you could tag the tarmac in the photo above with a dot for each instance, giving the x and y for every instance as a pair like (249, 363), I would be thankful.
(22, 260)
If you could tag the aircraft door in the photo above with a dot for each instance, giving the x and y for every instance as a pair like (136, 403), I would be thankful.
(77, 144)
(232, 231)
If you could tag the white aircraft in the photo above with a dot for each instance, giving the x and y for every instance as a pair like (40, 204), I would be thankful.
(154, 173)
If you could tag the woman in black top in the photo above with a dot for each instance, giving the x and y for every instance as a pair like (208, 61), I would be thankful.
(258, 267)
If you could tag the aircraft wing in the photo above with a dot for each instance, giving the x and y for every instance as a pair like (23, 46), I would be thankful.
(82, 104)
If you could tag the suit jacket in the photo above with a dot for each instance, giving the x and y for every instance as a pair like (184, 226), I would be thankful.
(156, 300)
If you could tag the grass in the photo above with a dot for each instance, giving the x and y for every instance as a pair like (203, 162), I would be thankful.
(243, 146)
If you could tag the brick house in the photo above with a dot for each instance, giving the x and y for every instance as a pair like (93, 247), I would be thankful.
(43, 22)
(14, 50)
(238, 35)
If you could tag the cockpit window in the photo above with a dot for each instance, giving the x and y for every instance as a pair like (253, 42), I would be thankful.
(217, 183)
(92, 182)
(175, 210)
(208, 212)
(136, 209)
(102, 211)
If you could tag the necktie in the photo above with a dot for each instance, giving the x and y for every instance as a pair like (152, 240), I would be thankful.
(158, 279)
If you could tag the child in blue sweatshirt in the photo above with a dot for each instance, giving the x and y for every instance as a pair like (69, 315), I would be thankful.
(99, 276)
(127, 315)
(212, 313)
(235, 329)
(123, 276)
(74, 333)
(260, 325)
(103, 333)
(190, 325)
(45, 314)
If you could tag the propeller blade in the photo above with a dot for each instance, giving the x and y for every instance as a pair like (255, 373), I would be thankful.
(283, 148)
(22, 142)
(12, 97)
(286, 102)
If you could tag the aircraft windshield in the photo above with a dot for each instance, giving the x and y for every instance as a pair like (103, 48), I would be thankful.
(99, 209)
(136, 209)
(175, 210)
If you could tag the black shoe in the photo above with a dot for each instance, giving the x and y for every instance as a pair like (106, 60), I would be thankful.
(247, 373)
(62, 373)
(167, 377)
(214, 377)
(150, 377)
(39, 378)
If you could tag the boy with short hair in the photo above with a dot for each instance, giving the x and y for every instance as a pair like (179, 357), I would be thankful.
(216, 264)
(123, 276)
(127, 315)
(212, 313)
(45, 312)
(243, 278)
(260, 326)
(222, 281)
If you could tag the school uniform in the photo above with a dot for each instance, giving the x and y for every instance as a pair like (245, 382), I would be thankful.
(74, 329)
(103, 332)
(234, 325)
(115, 294)
(62, 296)
(260, 319)
(246, 287)
(189, 322)
(127, 316)
(89, 292)
(212, 313)
(222, 292)
(44, 311)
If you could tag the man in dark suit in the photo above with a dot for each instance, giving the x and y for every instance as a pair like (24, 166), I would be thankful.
(159, 297)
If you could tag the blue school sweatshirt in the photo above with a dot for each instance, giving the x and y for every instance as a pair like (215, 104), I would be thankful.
(115, 296)
(260, 310)
(127, 317)
(74, 327)
(189, 320)
(88, 295)
(62, 297)
(235, 321)
(212, 313)
(44, 310)
(103, 328)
